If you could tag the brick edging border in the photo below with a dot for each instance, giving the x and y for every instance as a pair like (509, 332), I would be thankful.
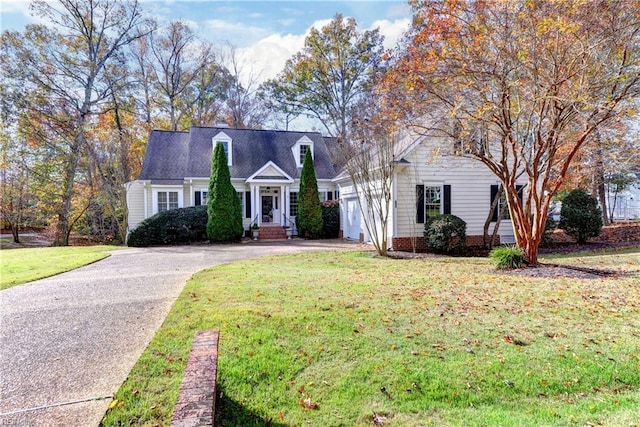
(196, 404)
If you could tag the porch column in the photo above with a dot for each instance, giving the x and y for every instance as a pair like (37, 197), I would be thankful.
(283, 209)
(255, 192)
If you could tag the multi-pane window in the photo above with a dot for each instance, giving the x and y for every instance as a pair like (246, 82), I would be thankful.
(432, 200)
(293, 203)
(226, 145)
(167, 200)
(502, 202)
(303, 152)
(241, 197)
(503, 207)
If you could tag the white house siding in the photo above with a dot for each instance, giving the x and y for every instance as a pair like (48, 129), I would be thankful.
(135, 203)
(470, 183)
(627, 203)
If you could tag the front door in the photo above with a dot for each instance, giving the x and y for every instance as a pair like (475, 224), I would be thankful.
(270, 206)
(267, 208)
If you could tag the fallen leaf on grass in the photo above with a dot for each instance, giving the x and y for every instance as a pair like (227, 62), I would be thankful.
(378, 419)
(308, 404)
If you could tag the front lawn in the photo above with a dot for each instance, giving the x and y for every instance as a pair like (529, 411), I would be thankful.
(371, 341)
(24, 265)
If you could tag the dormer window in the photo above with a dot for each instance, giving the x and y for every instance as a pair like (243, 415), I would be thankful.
(300, 149)
(225, 140)
(303, 151)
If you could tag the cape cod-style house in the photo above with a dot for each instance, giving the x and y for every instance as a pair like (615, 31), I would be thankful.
(265, 170)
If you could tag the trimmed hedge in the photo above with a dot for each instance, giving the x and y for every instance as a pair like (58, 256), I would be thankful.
(176, 226)
(445, 234)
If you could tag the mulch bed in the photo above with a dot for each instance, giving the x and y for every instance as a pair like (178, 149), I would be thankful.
(560, 271)
(613, 236)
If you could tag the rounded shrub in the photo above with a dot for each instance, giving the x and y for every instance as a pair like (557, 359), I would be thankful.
(445, 234)
(580, 216)
(508, 257)
(176, 226)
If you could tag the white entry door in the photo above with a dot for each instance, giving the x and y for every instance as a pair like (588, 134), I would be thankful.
(353, 220)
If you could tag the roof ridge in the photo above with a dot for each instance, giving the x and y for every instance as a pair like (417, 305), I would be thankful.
(257, 130)
(168, 130)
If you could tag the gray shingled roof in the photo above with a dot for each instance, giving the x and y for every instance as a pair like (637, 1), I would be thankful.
(174, 155)
(166, 158)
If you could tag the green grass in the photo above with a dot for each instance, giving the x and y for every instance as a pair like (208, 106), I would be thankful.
(437, 341)
(19, 266)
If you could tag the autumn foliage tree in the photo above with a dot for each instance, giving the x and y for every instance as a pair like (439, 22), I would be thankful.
(329, 76)
(521, 86)
(64, 69)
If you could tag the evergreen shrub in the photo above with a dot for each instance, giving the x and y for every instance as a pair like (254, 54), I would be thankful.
(176, 226)
(445, 234)
(580, 216)
(330, 219)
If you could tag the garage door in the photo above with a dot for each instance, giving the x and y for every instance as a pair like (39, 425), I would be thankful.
(353, 220)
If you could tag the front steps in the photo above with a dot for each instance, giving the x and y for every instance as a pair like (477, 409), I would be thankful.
(272, 232)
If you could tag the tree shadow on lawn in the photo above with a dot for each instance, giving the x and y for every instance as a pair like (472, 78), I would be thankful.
(232, 413)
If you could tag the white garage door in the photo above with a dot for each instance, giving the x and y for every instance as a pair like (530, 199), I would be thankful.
(353, 219)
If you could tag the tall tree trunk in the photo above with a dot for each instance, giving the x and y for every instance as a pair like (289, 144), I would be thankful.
(598, 177)
(63, 226)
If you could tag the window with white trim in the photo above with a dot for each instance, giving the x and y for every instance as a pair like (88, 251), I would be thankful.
(240, 195)
(293, 203)
(300, 149)
(167, 200)
(432, 200)
(223, 138)
(201, 197)
(303, 152)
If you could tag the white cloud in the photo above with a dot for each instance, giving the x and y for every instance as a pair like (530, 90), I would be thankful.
(392, 30)
(15, 6)
(268, 56)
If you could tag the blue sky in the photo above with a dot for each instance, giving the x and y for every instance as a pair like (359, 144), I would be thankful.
(265, 33)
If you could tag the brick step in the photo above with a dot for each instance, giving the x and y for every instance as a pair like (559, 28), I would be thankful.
(272, 232)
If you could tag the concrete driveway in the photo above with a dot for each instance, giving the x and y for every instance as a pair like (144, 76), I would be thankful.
(68, 342)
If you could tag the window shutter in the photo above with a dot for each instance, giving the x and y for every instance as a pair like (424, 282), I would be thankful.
(494, 192)
(198, 200)
(447, 199)
(420, 204)
(329, 195)
(247, 204)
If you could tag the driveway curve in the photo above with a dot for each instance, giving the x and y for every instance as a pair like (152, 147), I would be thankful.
(69, 341)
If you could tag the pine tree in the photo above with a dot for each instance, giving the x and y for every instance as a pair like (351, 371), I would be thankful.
(309, 209)
(224, 209)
